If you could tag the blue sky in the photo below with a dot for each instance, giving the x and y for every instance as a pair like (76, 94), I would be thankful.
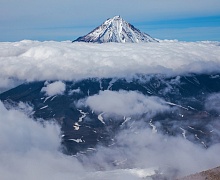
(67, 19)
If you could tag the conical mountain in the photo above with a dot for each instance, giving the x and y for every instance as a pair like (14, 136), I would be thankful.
(117, 30)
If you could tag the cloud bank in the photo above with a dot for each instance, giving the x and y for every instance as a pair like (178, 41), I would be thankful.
(33, 60)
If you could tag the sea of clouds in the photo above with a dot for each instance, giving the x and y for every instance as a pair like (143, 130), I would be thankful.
(33, 60)
(32, 150)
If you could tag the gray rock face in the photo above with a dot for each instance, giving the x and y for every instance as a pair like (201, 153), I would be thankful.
(117, 30)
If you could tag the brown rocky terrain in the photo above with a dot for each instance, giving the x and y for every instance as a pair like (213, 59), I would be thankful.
(211, 174)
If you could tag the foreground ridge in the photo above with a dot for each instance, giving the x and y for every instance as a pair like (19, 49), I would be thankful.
(211, 174)
(117, 30)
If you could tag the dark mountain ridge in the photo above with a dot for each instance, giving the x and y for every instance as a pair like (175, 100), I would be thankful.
(82, 128)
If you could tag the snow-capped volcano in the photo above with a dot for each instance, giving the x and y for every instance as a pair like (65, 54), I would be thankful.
(118, 30)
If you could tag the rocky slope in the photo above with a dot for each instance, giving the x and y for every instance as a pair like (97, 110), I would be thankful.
(211, 174)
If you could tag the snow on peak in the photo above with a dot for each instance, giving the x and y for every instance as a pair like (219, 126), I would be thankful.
(118, 30)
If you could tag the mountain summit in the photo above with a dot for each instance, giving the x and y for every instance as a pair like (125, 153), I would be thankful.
(118, 30)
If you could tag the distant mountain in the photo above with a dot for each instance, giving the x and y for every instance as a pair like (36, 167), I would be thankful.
(117, 30)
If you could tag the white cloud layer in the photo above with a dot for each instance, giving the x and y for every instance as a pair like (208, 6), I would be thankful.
(55, 88)
(125, 103)
(33, 60)
(29, 151)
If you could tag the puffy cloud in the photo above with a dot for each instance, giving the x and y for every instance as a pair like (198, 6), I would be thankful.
(55, 88)
(7, 83)
(33, 60)
(77, 91)
(4, 83)
(29, 149)
(213, 102)
(20, 134)
(126, 103)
